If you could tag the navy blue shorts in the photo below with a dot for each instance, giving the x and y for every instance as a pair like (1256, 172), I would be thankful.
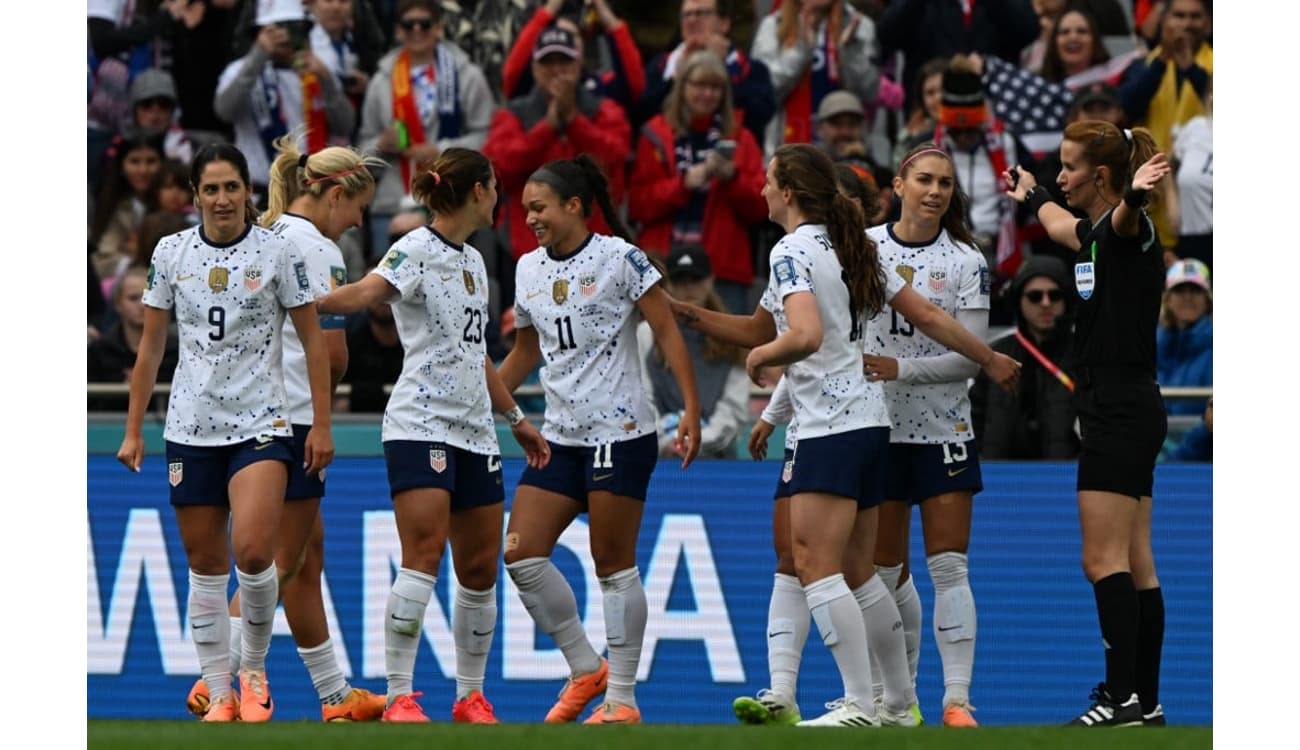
(920, 471)
(473, 479)
(849, 464)
(622, 468)
(301, 486)
(200, 474)
(787, 470)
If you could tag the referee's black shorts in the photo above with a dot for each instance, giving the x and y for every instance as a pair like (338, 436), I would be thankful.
(1123, 424)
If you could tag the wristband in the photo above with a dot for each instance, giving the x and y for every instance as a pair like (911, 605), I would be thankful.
(514, 415)
(1134, 198)
(1035, 199)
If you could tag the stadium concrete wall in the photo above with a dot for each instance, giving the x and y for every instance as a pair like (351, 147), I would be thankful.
(705, 556)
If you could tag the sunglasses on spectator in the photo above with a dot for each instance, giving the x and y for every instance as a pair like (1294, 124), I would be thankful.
(411, 24)
(160, 102)
(1035, 296)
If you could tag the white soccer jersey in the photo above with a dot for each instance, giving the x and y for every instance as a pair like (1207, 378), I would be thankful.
(230, 302)
(830, 393)
(441, 395)
(583, 309)
(325, 272)
(953, 276)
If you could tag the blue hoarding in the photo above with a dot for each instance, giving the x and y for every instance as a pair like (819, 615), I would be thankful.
(705, 556)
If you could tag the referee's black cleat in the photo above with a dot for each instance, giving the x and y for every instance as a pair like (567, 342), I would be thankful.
(1107, 712)
(1156, 718)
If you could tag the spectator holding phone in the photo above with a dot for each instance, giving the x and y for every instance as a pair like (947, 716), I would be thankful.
(347, 37)
(266, 93)
(698, 177)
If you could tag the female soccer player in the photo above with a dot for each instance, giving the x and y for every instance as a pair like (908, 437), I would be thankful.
(313, 200)
(228, 434)
(444, 463)
(932, 461)
(825, 279)
(576, 299)
(1119, 274)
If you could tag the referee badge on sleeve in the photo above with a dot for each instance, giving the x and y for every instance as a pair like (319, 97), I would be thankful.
(1085, 278)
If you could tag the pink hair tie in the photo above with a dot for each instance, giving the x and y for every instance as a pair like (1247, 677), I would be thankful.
(437, 178)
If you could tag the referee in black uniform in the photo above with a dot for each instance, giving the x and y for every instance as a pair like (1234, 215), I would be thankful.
(1107, 172)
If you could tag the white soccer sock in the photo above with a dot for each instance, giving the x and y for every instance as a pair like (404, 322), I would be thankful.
(840, 623)
(258, 595)
(473, 622)
(625, 618)
(909, 608)
(403, 623)
(325, 674)
(954, 623)
(787, 631)
(236, 641)
(884, 630)
(210, 630)
(550, 601)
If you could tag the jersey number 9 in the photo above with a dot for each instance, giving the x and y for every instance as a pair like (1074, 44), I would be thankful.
(217, 319)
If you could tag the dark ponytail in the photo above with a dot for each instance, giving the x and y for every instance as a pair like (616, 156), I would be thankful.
(445, 184)
(953, 219)
(582, 178)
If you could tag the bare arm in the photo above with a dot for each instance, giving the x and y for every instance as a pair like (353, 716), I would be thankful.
(350, 298)
(536, 449)
(1058, 222)
(1125, 217)
(741, 330)
(319, 450)
(143, 376)
(521, 360)
(655, 308)
(801, 339)
(336, 344)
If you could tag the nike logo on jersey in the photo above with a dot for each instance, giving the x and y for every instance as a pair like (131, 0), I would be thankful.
(184, 276)
(955, 472)
(534, 294)
(447, 278)
(601, 477)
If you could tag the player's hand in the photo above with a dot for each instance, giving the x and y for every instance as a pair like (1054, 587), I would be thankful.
(1151, 173)
(131, 454)
(318, 452)
(879, 369)
(536, 450)
(1004, 371)
(757, 369)
(688, 438)
(758, 439)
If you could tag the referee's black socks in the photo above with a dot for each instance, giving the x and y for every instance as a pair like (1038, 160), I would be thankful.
(1150, 640)
(1117, 609)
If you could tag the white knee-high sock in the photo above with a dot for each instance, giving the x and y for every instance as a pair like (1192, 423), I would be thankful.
(954, 623)
(474, 621)
(258, 595)
(787, 631)
(625, 618)
(210, 630)
(909, 608)
(885, 638)
(840, 623)
(550, 601)
(323, 668)
(403, 623)
(236, 642)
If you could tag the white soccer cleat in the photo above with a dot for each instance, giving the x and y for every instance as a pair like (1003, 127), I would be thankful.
(844, 712)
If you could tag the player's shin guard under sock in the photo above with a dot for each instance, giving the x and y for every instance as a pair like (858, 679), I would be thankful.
(550, 601)
(258, 595)
(210, 631)
(474, 621)
(403, 622)
(954, 624)
(625, 618)
(839, 620)
(787, 631)
(884, 629)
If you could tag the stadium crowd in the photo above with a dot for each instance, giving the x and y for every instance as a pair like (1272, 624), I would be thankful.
(681, 104)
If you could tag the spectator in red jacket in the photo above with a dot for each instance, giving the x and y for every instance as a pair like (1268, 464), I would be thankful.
(624, 82)
(558, 119)
(698, 177)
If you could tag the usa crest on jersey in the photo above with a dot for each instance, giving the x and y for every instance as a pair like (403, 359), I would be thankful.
(252, 278)
(175, 472)
(438, 459)
(1085, 278)
(587, 285)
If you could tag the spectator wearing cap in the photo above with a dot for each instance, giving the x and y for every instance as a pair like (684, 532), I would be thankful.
(153, 108)
(624, 82)
(426, 96)
(925, 29)
(720, 378)
(706, 25)
(980, 145)
(698, 177)
(811, 48)
(1037, 421)
(1185, 338)
(278, 88)
(841, 126)
(558, 119)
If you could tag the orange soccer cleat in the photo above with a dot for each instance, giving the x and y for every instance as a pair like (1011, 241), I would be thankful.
(405, 709)
(577, 693)
(614, 713)
(255, 702)
(223, 710)
(473, 709)
(360, 705)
